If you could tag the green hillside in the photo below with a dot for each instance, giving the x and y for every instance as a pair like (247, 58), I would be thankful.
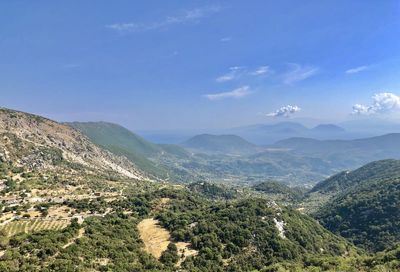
(346, 179)
(274, 189)
(245, 235)
(156, 160)
(109, 134)
(121, 141)
(212, 191)
(367, 210)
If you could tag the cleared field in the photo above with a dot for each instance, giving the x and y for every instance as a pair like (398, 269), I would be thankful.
(183, 248)
(155, 238)
(27, 226)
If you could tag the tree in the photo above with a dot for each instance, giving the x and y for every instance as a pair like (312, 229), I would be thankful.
(170, 256)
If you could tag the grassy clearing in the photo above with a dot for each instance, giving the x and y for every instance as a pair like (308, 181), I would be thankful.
(155, 238)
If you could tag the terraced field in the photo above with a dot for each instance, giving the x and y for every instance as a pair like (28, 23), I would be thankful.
(27, 226)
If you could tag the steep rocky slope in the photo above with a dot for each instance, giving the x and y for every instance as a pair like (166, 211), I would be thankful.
(38, 143)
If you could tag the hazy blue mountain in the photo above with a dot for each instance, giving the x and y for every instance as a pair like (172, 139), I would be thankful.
(269, 133)
(226, 144)
(345, 153)
(371, 125)
(328, 128)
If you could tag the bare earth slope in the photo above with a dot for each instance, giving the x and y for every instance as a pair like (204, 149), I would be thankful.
(39, 143)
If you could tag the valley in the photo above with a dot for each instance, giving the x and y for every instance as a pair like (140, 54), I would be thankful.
(63, 212)
(200, 136)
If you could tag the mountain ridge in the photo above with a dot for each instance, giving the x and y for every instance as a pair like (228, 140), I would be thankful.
(226, 143)
(31, 133)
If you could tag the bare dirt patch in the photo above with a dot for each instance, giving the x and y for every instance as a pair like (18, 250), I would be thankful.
(59, 212)
(154, 237)
(156, 240)
(184, 251)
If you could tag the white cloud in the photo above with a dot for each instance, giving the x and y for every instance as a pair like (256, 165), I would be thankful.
(381, 103)
(236, 93)
(360, 109)
(357, 70)
(285, 111)
(187, 16)
(234, 72)
(298, 72)
(261, 71)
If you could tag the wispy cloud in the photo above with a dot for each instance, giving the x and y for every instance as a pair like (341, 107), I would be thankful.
(298, 73)
(357, 70)
(186, 17)
(285, 111)
(234, 72)
(236, 93)
(381, 103)
(262, 70)
(225, 39)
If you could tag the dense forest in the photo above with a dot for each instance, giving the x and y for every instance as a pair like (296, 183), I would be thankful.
(368, 214)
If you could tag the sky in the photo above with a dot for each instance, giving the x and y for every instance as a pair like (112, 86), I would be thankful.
(200, 64)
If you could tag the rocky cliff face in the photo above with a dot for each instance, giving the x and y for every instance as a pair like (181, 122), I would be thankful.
(38, 143)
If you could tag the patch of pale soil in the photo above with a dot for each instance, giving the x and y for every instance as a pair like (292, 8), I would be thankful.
(59, 212)
(34, 213)
(18, 177)
(161, 204)
(185, 251)
(279, 225)
(6, 216)
(154, 237)
(102, 261)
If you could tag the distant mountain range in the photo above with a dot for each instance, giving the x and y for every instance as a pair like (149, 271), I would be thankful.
(345, 153)
(265, 134)
(230, 157)
(270, 133)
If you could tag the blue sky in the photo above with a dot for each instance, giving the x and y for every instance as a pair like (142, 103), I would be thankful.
(200, 64)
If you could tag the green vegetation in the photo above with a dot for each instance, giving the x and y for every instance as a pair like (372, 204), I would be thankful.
(225, 144)
(243, 236)
(155, 160)
(367, 212)
(280, 191)
(221, 227)
(121, 141)
(213, 191)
